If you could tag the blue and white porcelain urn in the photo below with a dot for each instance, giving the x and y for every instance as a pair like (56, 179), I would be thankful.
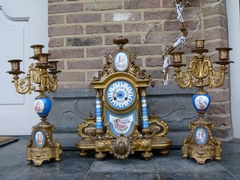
(201, 102)
(42, 106)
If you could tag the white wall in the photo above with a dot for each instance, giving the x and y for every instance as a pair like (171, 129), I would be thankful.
(22, 23)
(234, 42)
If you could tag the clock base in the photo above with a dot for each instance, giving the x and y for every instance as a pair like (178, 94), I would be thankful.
(123, 146)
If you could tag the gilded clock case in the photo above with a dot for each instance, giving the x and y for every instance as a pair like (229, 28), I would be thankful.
(144, 132)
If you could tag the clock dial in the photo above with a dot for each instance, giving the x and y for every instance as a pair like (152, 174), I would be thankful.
(120, 94)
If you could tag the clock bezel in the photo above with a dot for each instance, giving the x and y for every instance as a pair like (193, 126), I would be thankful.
(125, 107)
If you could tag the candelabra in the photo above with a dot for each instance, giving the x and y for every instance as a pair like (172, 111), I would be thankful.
(200, 143)
(44, 74)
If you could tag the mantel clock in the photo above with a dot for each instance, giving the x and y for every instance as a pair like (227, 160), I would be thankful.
(122, 125)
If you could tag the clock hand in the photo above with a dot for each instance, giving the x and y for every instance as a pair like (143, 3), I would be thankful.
(119, 94)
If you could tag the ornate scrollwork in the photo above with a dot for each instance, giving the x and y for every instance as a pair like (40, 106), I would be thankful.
(132, 69)
(121, 147)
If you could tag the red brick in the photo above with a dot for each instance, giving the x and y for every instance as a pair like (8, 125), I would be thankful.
(170, 4)
(162, 14)
(226, 84)
(71, 77)
(103, 6)
(138, 62)
(138, 27)
(66, 53)
(60, 65)
(211, 46)
(91, 74)
(220, 96)
(219, 9)
(216, 33)
(132, 39)
(141, 4)
(55, 19)
(85, 64)
(222, 120)
(84, 41)
(224, 133)
(83, 18)
(153, 62)
(102, 29)
(65, 30)
(215, 21)
(65, 8)
(167, 4)
(99, 51)
(219, 109)
(146, 50)
(122, 16)
(172, 26)
(56, 42)
(176, 25)
(155, 37)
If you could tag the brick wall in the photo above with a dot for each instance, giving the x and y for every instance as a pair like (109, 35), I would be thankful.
(82, 31)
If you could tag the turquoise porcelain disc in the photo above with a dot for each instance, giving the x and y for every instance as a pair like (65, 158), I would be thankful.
(42, 106)
(201, 102)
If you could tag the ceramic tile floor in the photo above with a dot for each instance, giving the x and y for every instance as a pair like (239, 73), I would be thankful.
(13, 165)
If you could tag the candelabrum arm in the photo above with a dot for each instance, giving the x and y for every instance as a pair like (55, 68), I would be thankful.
(217, 77)
(25, 85)
(52, 83)
(184, 80)
(34, 73)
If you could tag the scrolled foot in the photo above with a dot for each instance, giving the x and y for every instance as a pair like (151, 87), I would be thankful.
(83, 153)
(164, 152)
(100, 156)
(147, 155)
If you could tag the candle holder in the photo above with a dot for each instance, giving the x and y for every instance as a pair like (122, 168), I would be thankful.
(44, 74)
(200, 143)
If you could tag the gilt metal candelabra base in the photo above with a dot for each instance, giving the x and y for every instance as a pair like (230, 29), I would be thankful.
(44, 74)
(201, 147)
(41, 146)
(200, 144)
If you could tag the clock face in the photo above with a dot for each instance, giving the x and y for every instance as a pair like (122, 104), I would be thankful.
(120, 94)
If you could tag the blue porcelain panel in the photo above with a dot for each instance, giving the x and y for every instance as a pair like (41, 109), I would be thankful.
(201, 102)
(121, 124)
(121, 61)
(42, 106)
(39, 138)
(201, 135)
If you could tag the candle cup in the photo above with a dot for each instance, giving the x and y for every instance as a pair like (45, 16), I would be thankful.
(177, 57)
(43, 58)
(37, 48)
(223, 53)
(200, 44)
(15, 64)
(53, 65)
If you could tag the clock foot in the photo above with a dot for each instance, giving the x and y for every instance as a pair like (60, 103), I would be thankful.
(164, 152)
(146, 155)
(100, 156)
(83, 153)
